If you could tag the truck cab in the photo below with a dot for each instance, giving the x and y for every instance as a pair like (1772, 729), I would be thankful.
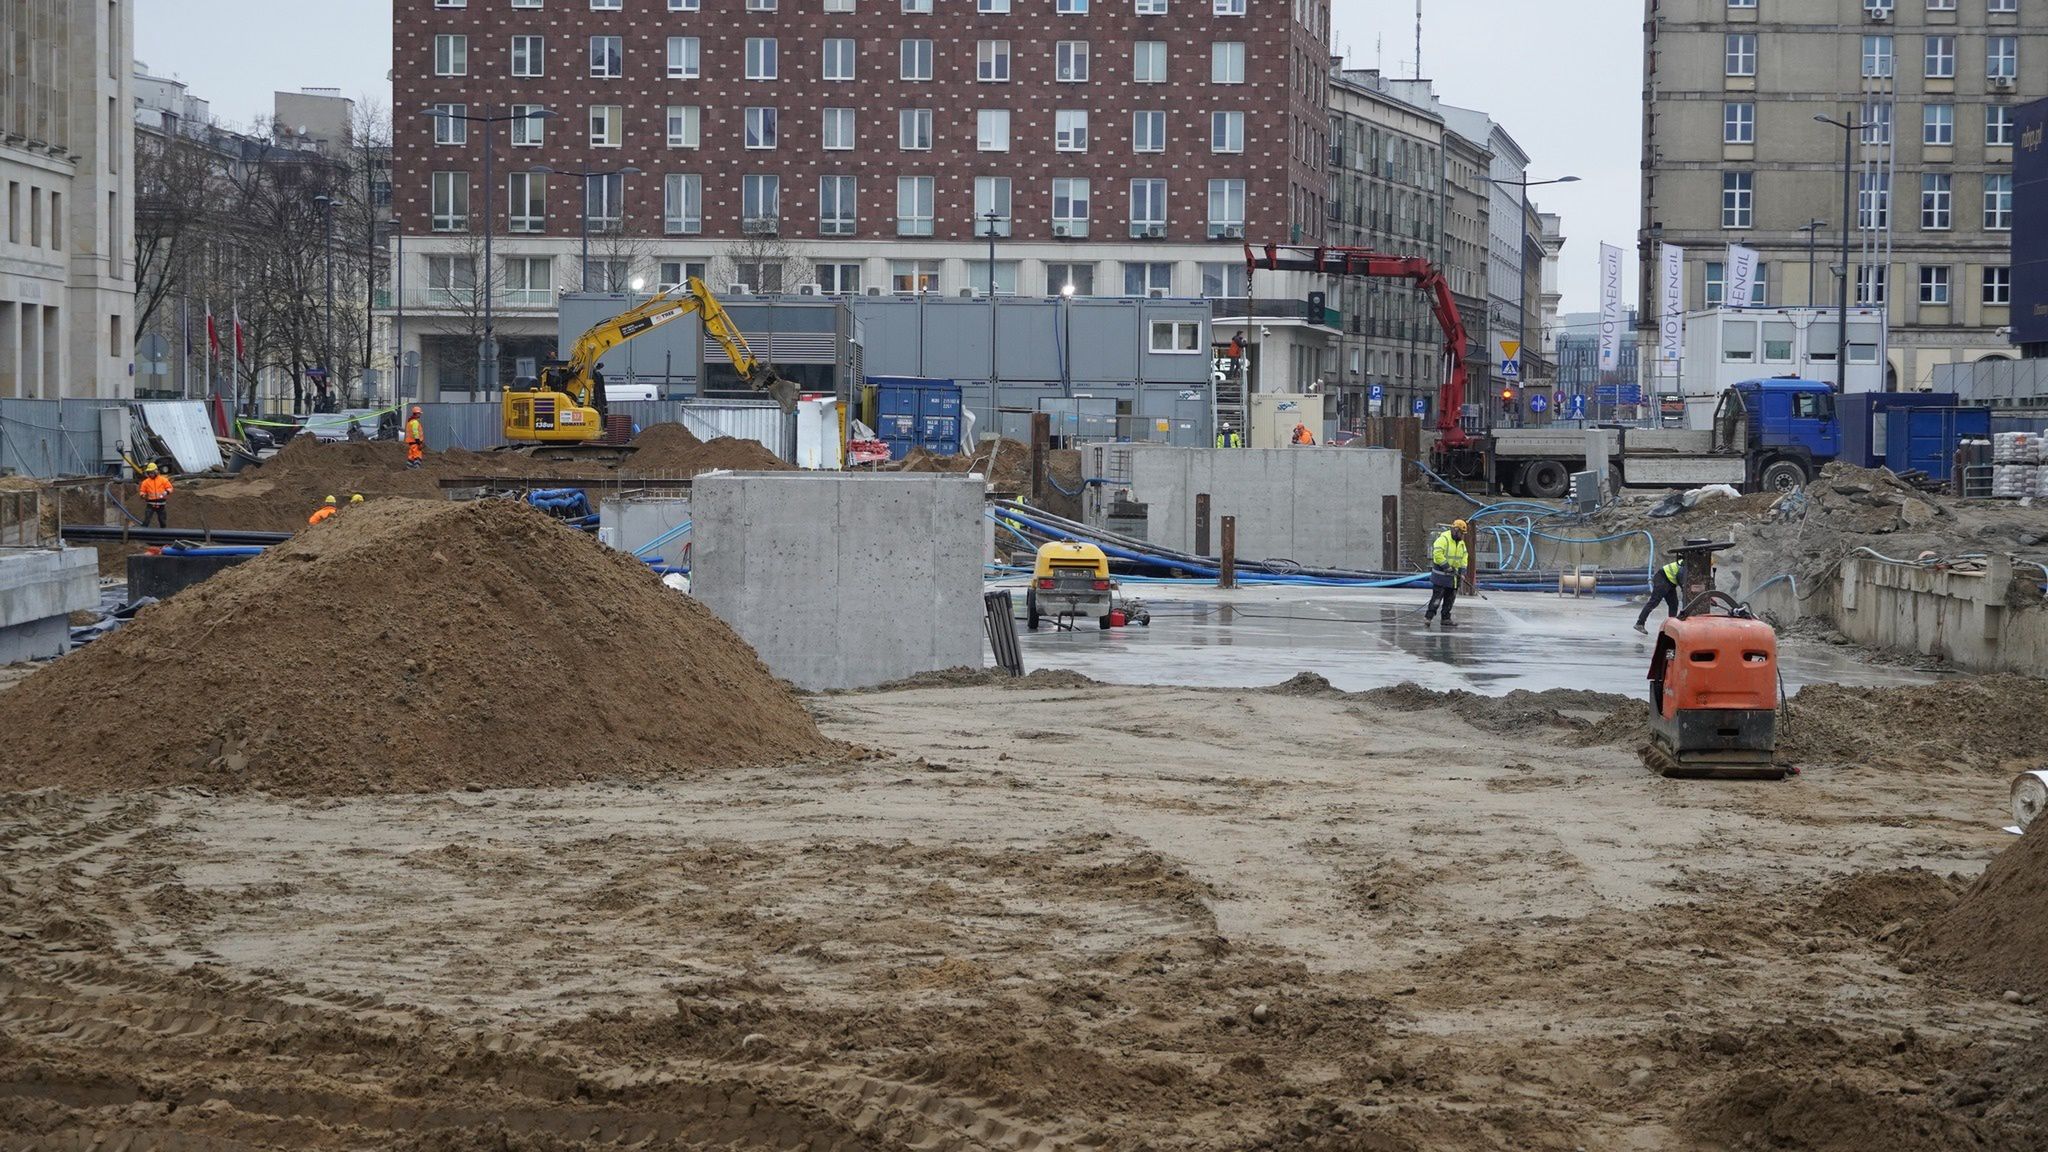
(1788, 429)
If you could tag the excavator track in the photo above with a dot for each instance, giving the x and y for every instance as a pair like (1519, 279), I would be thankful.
(1711, 766)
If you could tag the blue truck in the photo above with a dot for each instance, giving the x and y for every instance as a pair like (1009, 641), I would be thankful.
(1772, 435)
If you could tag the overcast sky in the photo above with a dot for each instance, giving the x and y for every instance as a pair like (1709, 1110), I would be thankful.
(1565, 80)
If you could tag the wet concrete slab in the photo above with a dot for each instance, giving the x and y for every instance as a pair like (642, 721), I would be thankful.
(1367, 638)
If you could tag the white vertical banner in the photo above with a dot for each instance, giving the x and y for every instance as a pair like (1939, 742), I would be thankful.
(1671, 305)
(1741, 284)
(1610, 308)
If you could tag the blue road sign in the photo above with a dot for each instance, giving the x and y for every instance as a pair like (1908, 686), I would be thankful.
(1537, 403)
(1375, 392)
(1578, 408)
(1421, 406)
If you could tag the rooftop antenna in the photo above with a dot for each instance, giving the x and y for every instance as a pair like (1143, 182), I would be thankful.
(1418, 39)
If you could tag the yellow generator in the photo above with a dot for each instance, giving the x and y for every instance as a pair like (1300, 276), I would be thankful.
(1069, 579)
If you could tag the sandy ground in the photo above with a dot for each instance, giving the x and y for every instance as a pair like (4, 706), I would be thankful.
(1034, 919)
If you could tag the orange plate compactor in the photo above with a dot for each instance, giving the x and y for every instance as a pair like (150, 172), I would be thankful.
(1713, 682)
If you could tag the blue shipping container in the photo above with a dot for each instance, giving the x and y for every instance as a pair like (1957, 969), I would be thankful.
(912, 411)
(1925, 438)
(1864, 427)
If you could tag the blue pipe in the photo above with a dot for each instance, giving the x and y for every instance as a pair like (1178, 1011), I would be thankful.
(215, 550)
(664, 538)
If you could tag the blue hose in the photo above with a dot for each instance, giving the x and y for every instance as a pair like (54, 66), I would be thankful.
(664, 538)
(214, 550)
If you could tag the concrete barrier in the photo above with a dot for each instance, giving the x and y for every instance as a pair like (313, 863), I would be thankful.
(39, 589)
(1971, 619)
(843, 581)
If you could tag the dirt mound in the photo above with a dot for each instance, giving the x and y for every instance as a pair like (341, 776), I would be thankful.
(983, 678)
(1881, 905)
(1775, 1109)
(410, 646)
(1007, 463)
(1518, 711)
(1972, 724)
(674, 449)
(1995, 939)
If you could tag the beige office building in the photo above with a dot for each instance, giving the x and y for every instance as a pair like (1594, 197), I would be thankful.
(67, 147)
(1732, 154)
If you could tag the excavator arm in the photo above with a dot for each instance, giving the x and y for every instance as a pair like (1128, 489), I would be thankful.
(1331, 261)
(577, 379)
(758, 374)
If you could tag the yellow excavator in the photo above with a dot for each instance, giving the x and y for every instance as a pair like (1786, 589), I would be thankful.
(566, 405)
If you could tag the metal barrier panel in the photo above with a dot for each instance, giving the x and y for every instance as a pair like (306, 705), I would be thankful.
(475, 425)
(740, 419)
(42, 438)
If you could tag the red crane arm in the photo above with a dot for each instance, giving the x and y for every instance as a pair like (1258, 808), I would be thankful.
(1333, 261)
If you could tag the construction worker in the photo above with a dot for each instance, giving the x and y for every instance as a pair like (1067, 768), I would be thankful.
(1302, 435)
(1664, 589)
(415, 439)
(1448, 559)
(1229, 437)
(325, 511)
(355, 498)
(156, 496)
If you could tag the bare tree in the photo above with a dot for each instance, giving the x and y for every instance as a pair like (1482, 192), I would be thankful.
(756, 254)
(179, 184)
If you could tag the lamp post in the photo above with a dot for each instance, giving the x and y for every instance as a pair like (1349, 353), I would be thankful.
(583, 280)
(398, 312)
(1522, 308)
(994, 374)
(487, 363)
(1811, 228)
(1067, 341)
(326, 204)
(1849, 130)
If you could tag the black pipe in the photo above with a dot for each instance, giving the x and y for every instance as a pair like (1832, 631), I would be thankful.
(170, 535)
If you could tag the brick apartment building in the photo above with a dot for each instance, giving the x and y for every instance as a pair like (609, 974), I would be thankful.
(846, 146)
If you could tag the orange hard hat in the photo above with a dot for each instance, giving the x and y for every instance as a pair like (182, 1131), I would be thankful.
(415, 409)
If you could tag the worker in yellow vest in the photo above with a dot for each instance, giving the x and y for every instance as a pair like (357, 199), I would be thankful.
(1664, 590)
(1448, 559)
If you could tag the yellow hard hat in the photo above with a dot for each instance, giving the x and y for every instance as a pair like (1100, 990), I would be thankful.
(355, 498)
(151, 467)
(1461, 526)
(329, 500)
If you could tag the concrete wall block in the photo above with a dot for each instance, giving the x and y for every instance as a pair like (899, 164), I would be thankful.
(36, 583)
(843, 581)
(1317, 506)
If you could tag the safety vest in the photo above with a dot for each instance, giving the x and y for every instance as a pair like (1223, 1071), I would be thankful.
(324, 512)
(413, 432)
(1671, 571)
(1229, 440)
(156, 489)
(1449, 552)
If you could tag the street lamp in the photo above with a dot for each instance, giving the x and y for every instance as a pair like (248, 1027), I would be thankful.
(398, 312)
(583, 280)
(326, 204)
(1849, 130)
(994, 375)
(1811, 227)
(1522, 321)
(488, 362)
(1067, 349)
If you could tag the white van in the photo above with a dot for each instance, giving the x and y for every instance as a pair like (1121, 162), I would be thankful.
(614, 393)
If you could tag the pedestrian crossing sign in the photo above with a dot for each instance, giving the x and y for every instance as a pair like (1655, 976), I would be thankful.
(1510, 359)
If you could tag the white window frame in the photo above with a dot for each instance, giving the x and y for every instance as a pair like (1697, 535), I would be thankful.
(444, 212)
(519, 193)
(1938, 57)
(517, 4)
(1934, 285)
(763, 58)
(528, 130)
(604, 201)
(2001, 5)
(1226, 62)
(1229, 126)
(2001, 57)
(604, 64)
(1997, 289)
(1738, 200)
(758, 192)
(844, 198)
(1070, 7)
(1145, 214)
(450, 124)
(838, 129)
(1880, 59)
(1738, 54)
(685, 5)
(992, 194)
(914, 60)
(1998, 202)
(918, 7)
(529, 55)
(687, 217)
(1227, 7)
(449, 274)
(838, 5)
(1076, 194)
(684, 125)
(761, 127)
(685, 58)
(451, 55)
(1078, 275)
(1148, 130)
(992, 6)
(1873, 199)
(1145, 285)
(1070, 62)
(1937, 202)
(1148, 62)
(838, 277)
(918, 214)
(613, 133)
(761, 5)
(992, 61)
(1938, 124)
(992, 130)
(604, 5)
(1182, 338)
(922, 275)
(914, 129)
(1070, 130)
(1224, 196)
(2000, 118)
(1738, 122)
(1149, 7)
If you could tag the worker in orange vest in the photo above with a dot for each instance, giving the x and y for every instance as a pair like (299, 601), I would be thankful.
(156, 495)
(415, 439)
(326, 511)
(1302, 435)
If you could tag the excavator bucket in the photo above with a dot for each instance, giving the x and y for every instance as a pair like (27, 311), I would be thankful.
(783, 391)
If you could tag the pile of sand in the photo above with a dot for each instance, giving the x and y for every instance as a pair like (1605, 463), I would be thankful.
(1007, 467)
(407, 646)
(1995, 939)
(1971, 724)
(671, 449)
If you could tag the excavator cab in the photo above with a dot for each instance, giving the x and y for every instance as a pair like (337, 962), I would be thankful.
(1713, 682)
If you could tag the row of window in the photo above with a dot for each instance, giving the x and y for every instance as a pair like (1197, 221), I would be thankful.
(1073, 60)
(1935, 284)
(839, 129)
(2001, 56)
(682, 214)
(1868, 5)
(1937, 124)
(1937, 201)
(531, 279)
(29, 222)
(914, 7)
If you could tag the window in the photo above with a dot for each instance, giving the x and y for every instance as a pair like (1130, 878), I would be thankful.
(1225, 279)
(684, 121)
(1071, 7)
(1778, 340)
(914, 59)
(992, 130)
(992, 194)
(454, 4)
(1143, 279)
(1079, 277)
(1002, 278)
(607, 125)
(1738, 122)
(1738, 199)
(1070, 206)
(1873, 200)
(914, 129)
(1150, 7)
(607, 57)
(526, 201)
(528, 130)
(1226, 132)
(684, 62)
(760, 5)
(2002, 57)
(451, 277)
(1148, 208)
(1998, 203)
(451, 201)
(918, 7)
(2001, 5)
(1228, 7)
(684, 5)
(914, 277)
(676, 273)
(760, 203)
(992, 5)
(1941, 57)
(838, 129)
(1226, 208)
(837, 205)
(1226, 62)
(604, 5)
(992, 61)
(1998, 286)
(1070, 61)
(914, 200)
(1148, 62)
(838, 279)
(759, 275)
(604, 201)
(1717, 282)
(763, 58)
(1877, 122)
(449, 127)
(1998, 125)
(1742, 3)
(1176, 337)
(682, 204)
(529, 55)
(1941, 5)
(451, 55)
(1938, 124)
(761, 127)
(1936, 200)
(1877, 56)
(1739, 54)
(1934, 284)
(1870, 285)
(1070, 130)
(1148, 131)
(838, 5)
